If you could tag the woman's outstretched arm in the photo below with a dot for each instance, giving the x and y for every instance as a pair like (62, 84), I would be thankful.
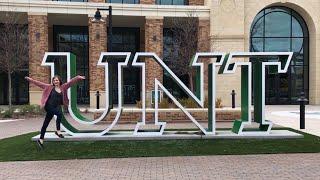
(73, 81)
(37, 83)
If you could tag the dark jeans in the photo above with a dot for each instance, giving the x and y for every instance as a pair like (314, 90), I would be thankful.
(51, 111)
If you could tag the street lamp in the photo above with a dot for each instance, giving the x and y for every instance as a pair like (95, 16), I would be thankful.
(98, 18)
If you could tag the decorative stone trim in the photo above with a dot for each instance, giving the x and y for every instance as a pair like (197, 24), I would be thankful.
(89, 8)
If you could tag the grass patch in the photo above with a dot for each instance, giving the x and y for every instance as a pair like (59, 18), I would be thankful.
(20, 148)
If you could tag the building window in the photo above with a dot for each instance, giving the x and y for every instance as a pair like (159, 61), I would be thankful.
(72, 0)
(73, 39)
(170, 52)
(127, 39)
(172, 2)
(283, 29)
(124, 1)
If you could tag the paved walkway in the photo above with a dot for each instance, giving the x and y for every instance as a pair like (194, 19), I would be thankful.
(288, 116)
(276, 166)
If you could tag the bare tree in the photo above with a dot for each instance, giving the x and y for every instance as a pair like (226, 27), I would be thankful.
(183, 46)
(13, 47)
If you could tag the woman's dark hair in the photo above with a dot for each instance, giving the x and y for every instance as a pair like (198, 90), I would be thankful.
(58, 77)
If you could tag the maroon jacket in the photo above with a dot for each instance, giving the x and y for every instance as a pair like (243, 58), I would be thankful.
(47, 88)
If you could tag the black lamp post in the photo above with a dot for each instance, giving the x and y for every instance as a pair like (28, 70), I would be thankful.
(97, 18)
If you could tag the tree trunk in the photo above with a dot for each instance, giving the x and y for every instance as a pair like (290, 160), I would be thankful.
(9, 91)
(191, 85)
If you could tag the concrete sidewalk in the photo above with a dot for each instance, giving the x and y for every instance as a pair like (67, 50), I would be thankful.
(288, 116)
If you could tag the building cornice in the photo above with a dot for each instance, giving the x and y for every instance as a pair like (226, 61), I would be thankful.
(88, 8)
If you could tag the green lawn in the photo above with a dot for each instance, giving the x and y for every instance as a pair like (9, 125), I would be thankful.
(20, 148)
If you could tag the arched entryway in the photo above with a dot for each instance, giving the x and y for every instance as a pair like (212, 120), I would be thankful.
(283, 29)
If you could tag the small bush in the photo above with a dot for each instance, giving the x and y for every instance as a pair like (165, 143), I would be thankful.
(206, 102)
(26, 109)
(219, 103)
(37, 110)
(188, 103)
(8, 113)
(164, 103)
(31, 109)
(139, 104)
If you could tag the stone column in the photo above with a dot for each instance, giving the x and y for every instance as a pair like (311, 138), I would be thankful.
(204, 45)
(196, 2)
(97, 44)
(147, 1)
(153, 43)
(38, 45)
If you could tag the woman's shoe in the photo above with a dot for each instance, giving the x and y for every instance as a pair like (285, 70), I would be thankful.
(40, 144)
(59, 135)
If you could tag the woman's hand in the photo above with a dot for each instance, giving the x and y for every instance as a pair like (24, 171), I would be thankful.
(82, 77)
(27, 78)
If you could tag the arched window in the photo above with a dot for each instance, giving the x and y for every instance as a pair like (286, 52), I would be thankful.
(283, 29)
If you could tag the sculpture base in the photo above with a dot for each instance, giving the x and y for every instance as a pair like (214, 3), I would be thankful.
(128, 135)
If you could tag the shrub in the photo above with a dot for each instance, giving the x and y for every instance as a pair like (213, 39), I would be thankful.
(8, 113)
(206, 102)
(219, 103)
(188, 103)
(31, 109)
(139, 104)
(164, 103)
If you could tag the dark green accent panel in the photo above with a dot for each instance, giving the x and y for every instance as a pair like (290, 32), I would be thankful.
(236, 126)
(210, 103)
(257, 90)
(244, 93)
(67, 125)
(263, 127)
(244, 100)
(73, 99)
(198, 87)
(196, 79)
(73, 69)
(273, 70)
(224, 63)
(110, 84)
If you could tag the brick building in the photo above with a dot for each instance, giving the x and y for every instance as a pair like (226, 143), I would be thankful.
(143, 26)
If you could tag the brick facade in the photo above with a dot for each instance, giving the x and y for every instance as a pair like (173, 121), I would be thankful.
(204, 45)
(153, 43)
(97, 44)
(196, 2)
(38, 45)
